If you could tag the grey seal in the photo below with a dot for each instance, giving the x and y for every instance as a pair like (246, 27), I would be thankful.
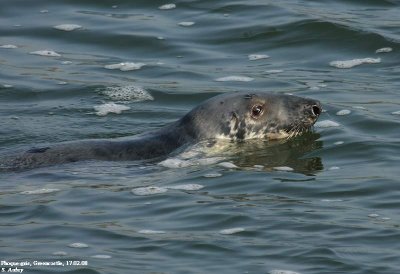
(235, 116)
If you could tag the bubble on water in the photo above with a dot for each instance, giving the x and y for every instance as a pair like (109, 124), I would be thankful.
(274, 71)
(343, 112)
(40, 191)
(47, 53)
(167, 7)
(234, 78)
(231, 231)
(187, 187)
(60, 253)
(149, 231)
(150, 190)
(280, 271)
(186, 24)
(101, 256)
(227, 165)
(354, 62)
(338, 143)
(8, 46)
(78, 245)
(283, 168)
(67, 27)
(212, 175)
(127, 93)
(396, 112)
(384, 50)
(125, 66)
(255, 57)
(326, 124)
(104, 109)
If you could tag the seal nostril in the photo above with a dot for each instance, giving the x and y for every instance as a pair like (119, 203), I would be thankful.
(316, 110)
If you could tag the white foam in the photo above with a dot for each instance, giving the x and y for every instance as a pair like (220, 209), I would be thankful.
(354, 62)
(78, 245)
(107, 108)
(66, 63)
(274, 71)
(255, 57)
(280, 271)
(8, 46)
(212, 175)
(7, 86)
(227, 165)
(326, 124)
(396, 112)
(373, 215)
(334, 168)
(67, 27)
(60, 253)
(186, 24)
(149, 231)
(338, 143)
(40, 191)
(230, 231)
(167, 7)
(127, 93)
(283, 168)
(47, 53)
(343, 112)
(384, 50)
(44, 11)
(101, 256)
(234, 78)
(150, 190)
(125, 66)
(187, 187)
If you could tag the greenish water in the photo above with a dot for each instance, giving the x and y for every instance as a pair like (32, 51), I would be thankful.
(335, 212)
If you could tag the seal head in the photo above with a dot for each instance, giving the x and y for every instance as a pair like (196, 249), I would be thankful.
(241, 116)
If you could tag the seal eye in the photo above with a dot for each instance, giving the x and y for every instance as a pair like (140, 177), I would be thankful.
(256, 111)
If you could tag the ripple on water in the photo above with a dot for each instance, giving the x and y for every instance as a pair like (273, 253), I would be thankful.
(255, 57)
(78, 245)
(40, 191)
(234, 78)
(186, 24)
(104, 109)
(384, 50)
(67, 27)
(231, 231)
(343, 112)
(125, 66)
(326, 124)
(167, 7)
(47, 53)
(150, 190)
(186, 187)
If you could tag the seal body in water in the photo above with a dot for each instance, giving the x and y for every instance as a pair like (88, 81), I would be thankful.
(235, 116)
